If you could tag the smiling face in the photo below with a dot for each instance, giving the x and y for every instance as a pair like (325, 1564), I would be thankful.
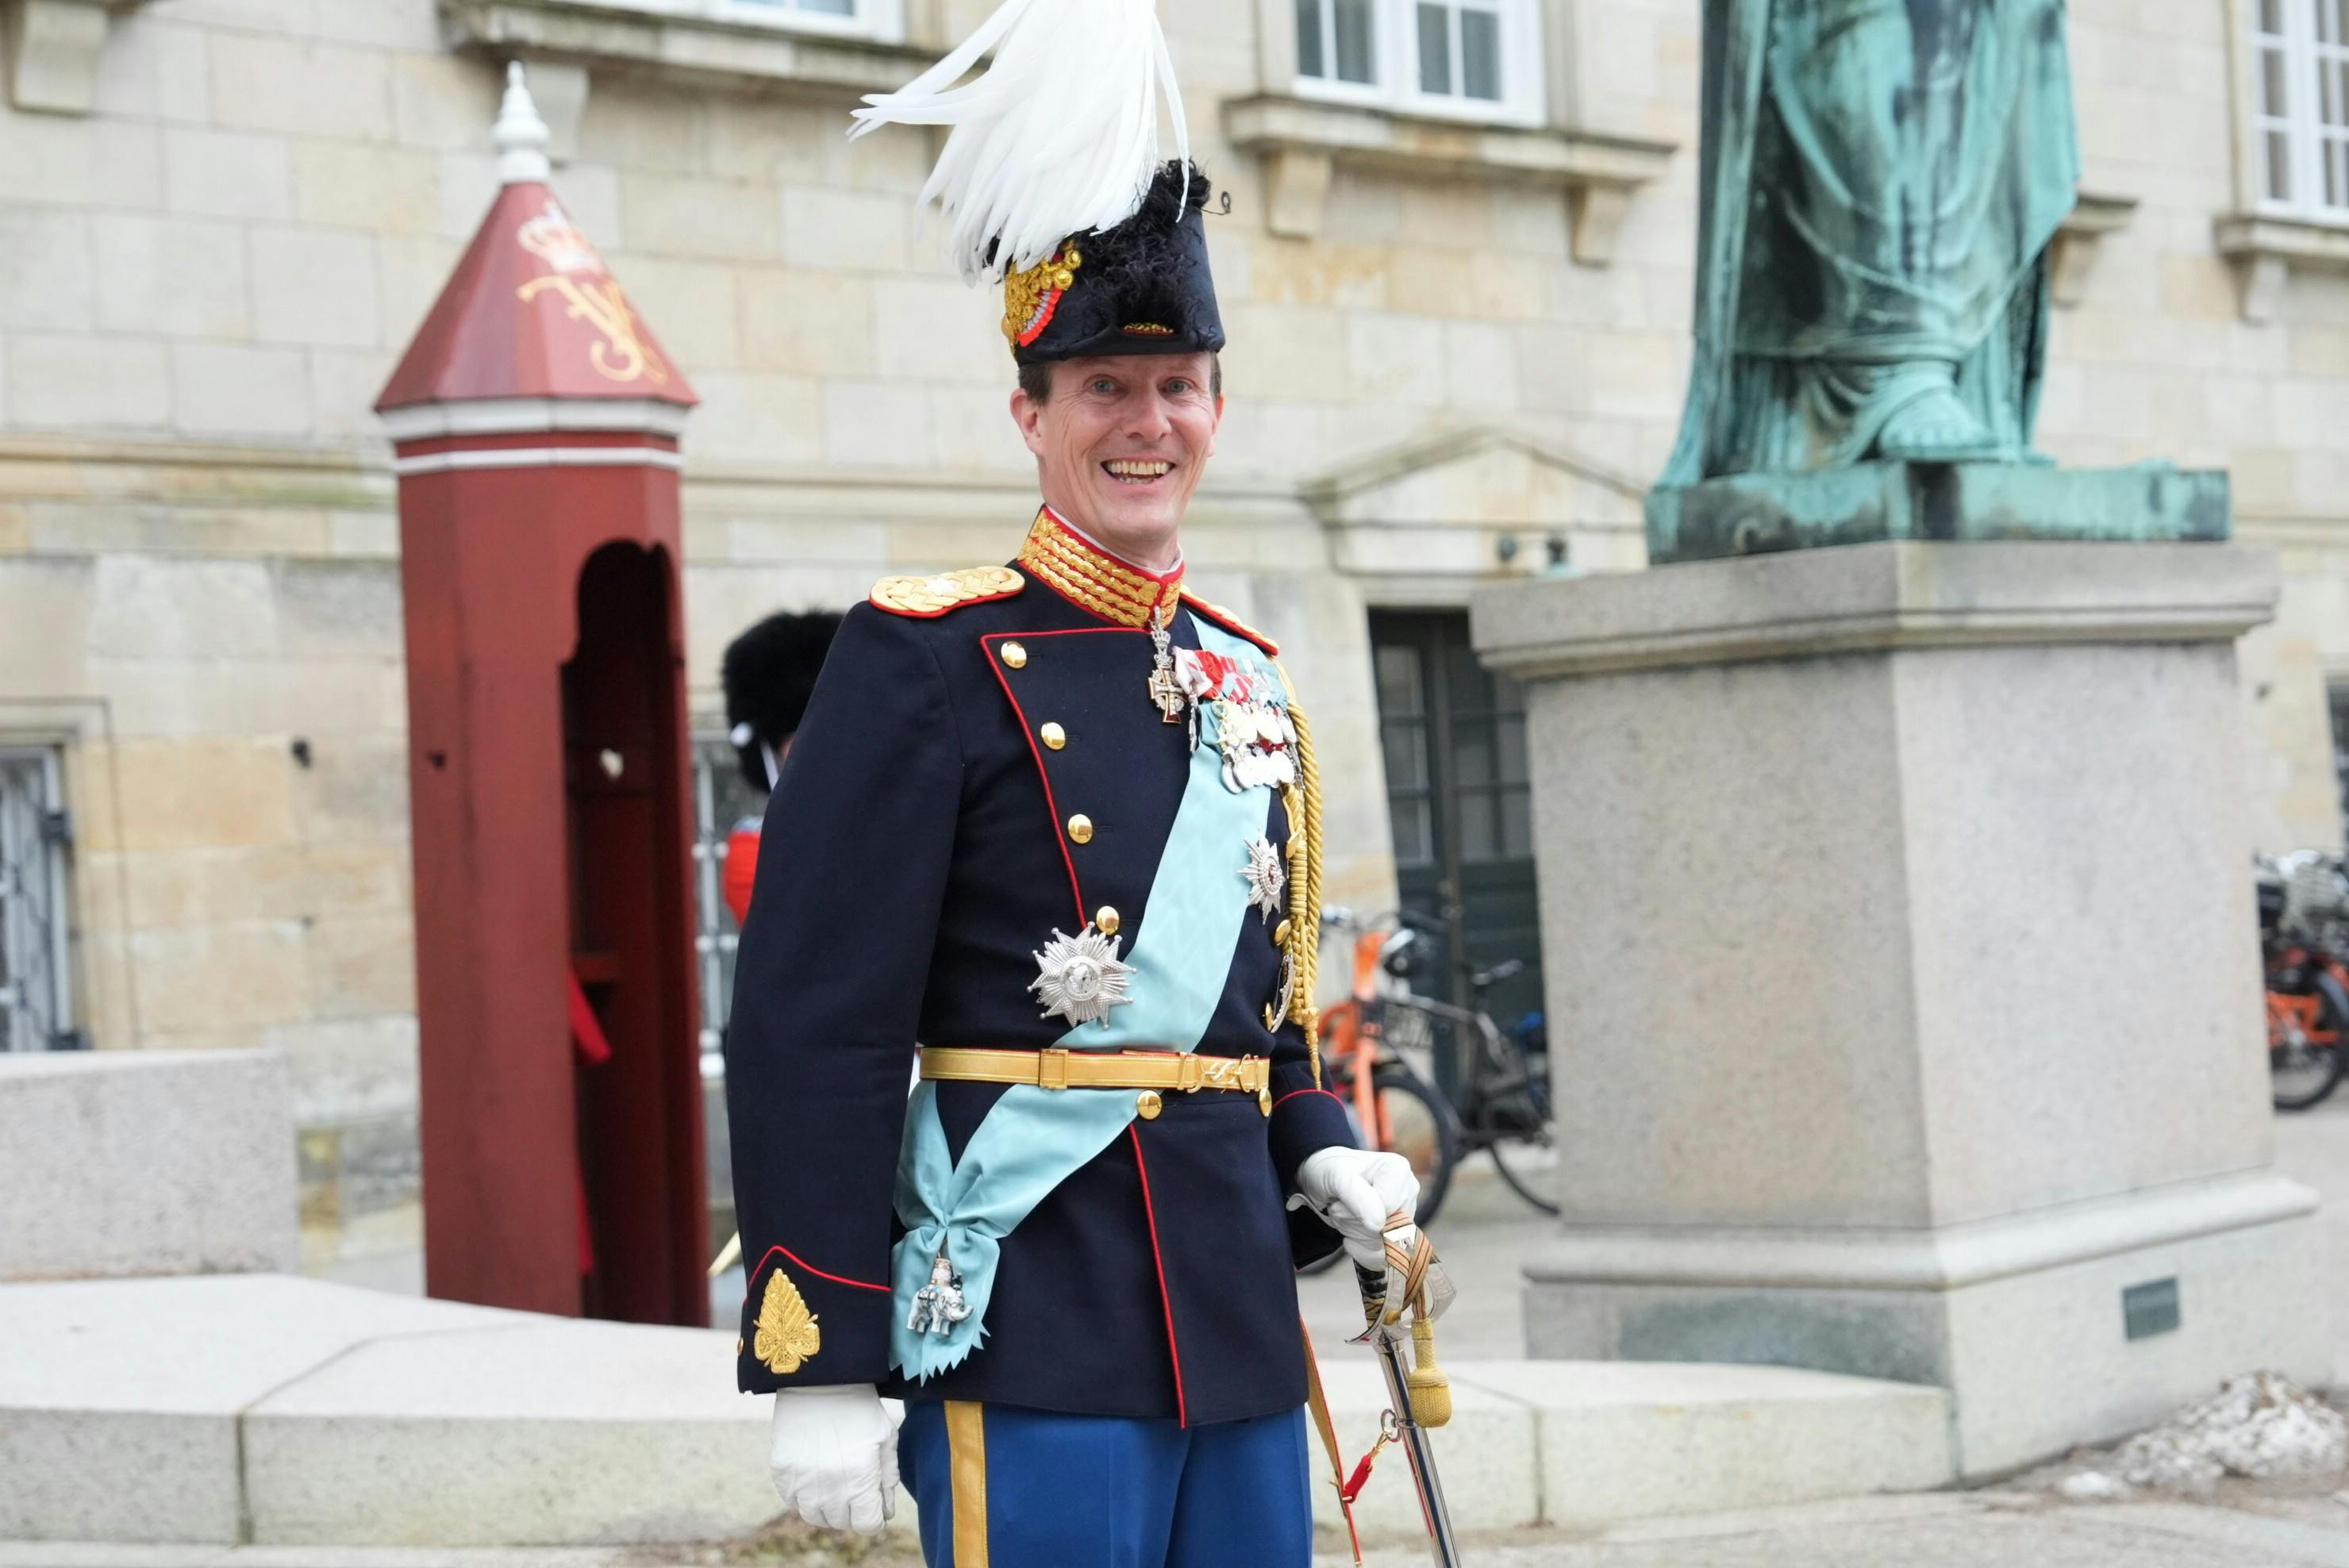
(1119, 445)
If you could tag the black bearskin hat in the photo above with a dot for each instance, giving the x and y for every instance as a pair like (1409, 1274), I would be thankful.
(769, 673)
(1140, 288)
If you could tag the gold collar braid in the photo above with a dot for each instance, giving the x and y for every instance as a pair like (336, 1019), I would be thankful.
(1092, 579)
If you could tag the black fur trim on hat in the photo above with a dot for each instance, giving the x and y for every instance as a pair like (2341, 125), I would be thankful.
(1151, 269)
(769, 673)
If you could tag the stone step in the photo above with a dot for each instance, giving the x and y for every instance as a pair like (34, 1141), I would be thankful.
(286, 1411)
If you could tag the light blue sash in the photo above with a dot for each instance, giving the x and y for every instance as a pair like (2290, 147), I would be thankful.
(1031, 1139)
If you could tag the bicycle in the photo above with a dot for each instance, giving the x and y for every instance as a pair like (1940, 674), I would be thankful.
(2303, 904)
(1397, 1107)
(1502, 1101)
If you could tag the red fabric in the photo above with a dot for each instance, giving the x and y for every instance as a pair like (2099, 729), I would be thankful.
(587, 1039)
(587, 1029)
(741, 870)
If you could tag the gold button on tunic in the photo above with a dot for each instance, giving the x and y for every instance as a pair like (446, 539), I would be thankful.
(1080, 829)
(1054, 736)
(1107, 920)
(1015, 655)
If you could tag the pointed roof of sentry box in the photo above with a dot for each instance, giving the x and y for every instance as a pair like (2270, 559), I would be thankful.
(531, 311)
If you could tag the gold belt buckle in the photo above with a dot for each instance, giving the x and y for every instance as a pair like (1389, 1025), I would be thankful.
(1190, 1072)
(1052, 1068)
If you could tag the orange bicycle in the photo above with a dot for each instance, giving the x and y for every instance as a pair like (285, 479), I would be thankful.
(2303, 902)
(1394, 1106)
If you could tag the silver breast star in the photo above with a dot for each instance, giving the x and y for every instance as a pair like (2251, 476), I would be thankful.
(1265, 877)
(1079, 977)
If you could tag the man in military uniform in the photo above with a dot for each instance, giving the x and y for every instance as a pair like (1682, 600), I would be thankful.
(1057, 822)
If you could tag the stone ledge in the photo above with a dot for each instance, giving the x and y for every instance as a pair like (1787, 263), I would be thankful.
(145, 1162)
(1949, 1258)
(2094, 215)
(53, 48)
(298, 1412)
(2265, 249)
(1858, 597)
(126, 1425)
(692, 49)
(1303, 142)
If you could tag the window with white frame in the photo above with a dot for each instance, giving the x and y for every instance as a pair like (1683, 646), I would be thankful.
(1473, 59)
(2300, 50)
(35, 983)
(878, 20)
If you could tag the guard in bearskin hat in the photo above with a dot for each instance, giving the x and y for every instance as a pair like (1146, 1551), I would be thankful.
(769, 673)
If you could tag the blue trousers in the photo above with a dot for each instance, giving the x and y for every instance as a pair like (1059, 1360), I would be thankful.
(1002, 1487)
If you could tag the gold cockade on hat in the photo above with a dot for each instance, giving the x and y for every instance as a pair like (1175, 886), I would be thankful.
(1031, 294)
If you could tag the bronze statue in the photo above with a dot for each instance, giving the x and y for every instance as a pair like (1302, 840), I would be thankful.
(1881, 181)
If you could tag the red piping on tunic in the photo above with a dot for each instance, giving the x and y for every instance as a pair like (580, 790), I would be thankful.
(1182, 1418)
(1292, 1094)
(1051, 806)
(811, 1268)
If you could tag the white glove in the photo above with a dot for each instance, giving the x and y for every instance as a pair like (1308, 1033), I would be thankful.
(835, 1456)
(1356, 1192)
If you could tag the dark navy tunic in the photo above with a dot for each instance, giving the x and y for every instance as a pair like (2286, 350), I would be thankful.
(916, 855)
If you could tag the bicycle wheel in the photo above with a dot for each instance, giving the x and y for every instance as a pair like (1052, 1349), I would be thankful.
(1520, 1178)
(1514, 1117)
(2304, 1057)
(1415, 1123)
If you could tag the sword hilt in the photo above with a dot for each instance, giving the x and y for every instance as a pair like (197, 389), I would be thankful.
(1431, 1390)
(1428, 1390)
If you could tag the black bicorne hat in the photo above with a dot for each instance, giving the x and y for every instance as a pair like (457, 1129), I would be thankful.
(1142, 287)
(769, 673)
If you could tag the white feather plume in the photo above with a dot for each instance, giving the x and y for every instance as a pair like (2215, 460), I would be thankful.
(1061, 134)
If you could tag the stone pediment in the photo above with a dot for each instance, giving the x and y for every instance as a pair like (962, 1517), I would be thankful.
(1478, 501)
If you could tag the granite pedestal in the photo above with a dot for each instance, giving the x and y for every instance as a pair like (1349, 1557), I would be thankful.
(1903, 983)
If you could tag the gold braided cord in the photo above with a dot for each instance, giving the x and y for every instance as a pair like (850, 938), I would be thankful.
(1090, 579)
(1302, 801)
(1104, 601)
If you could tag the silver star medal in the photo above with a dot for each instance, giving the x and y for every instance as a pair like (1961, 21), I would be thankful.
(1079, 977)
(1267, 878)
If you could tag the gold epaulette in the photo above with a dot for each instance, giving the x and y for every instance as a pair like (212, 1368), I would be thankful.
(945, 591)
(1229, 622)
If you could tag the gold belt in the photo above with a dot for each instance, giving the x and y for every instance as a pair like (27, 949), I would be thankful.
(1058, 1068)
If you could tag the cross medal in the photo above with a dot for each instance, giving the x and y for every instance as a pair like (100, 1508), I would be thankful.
(1165, 693)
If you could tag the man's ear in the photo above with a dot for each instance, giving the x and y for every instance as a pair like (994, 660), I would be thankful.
(1028, 415)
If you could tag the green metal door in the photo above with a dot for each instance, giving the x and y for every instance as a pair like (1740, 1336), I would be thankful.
(1454, 735)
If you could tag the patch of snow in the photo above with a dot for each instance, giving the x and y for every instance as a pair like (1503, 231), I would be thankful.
(2262, 1425)
(2093, 1485)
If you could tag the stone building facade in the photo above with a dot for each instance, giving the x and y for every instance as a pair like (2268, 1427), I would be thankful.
(1456, 274)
